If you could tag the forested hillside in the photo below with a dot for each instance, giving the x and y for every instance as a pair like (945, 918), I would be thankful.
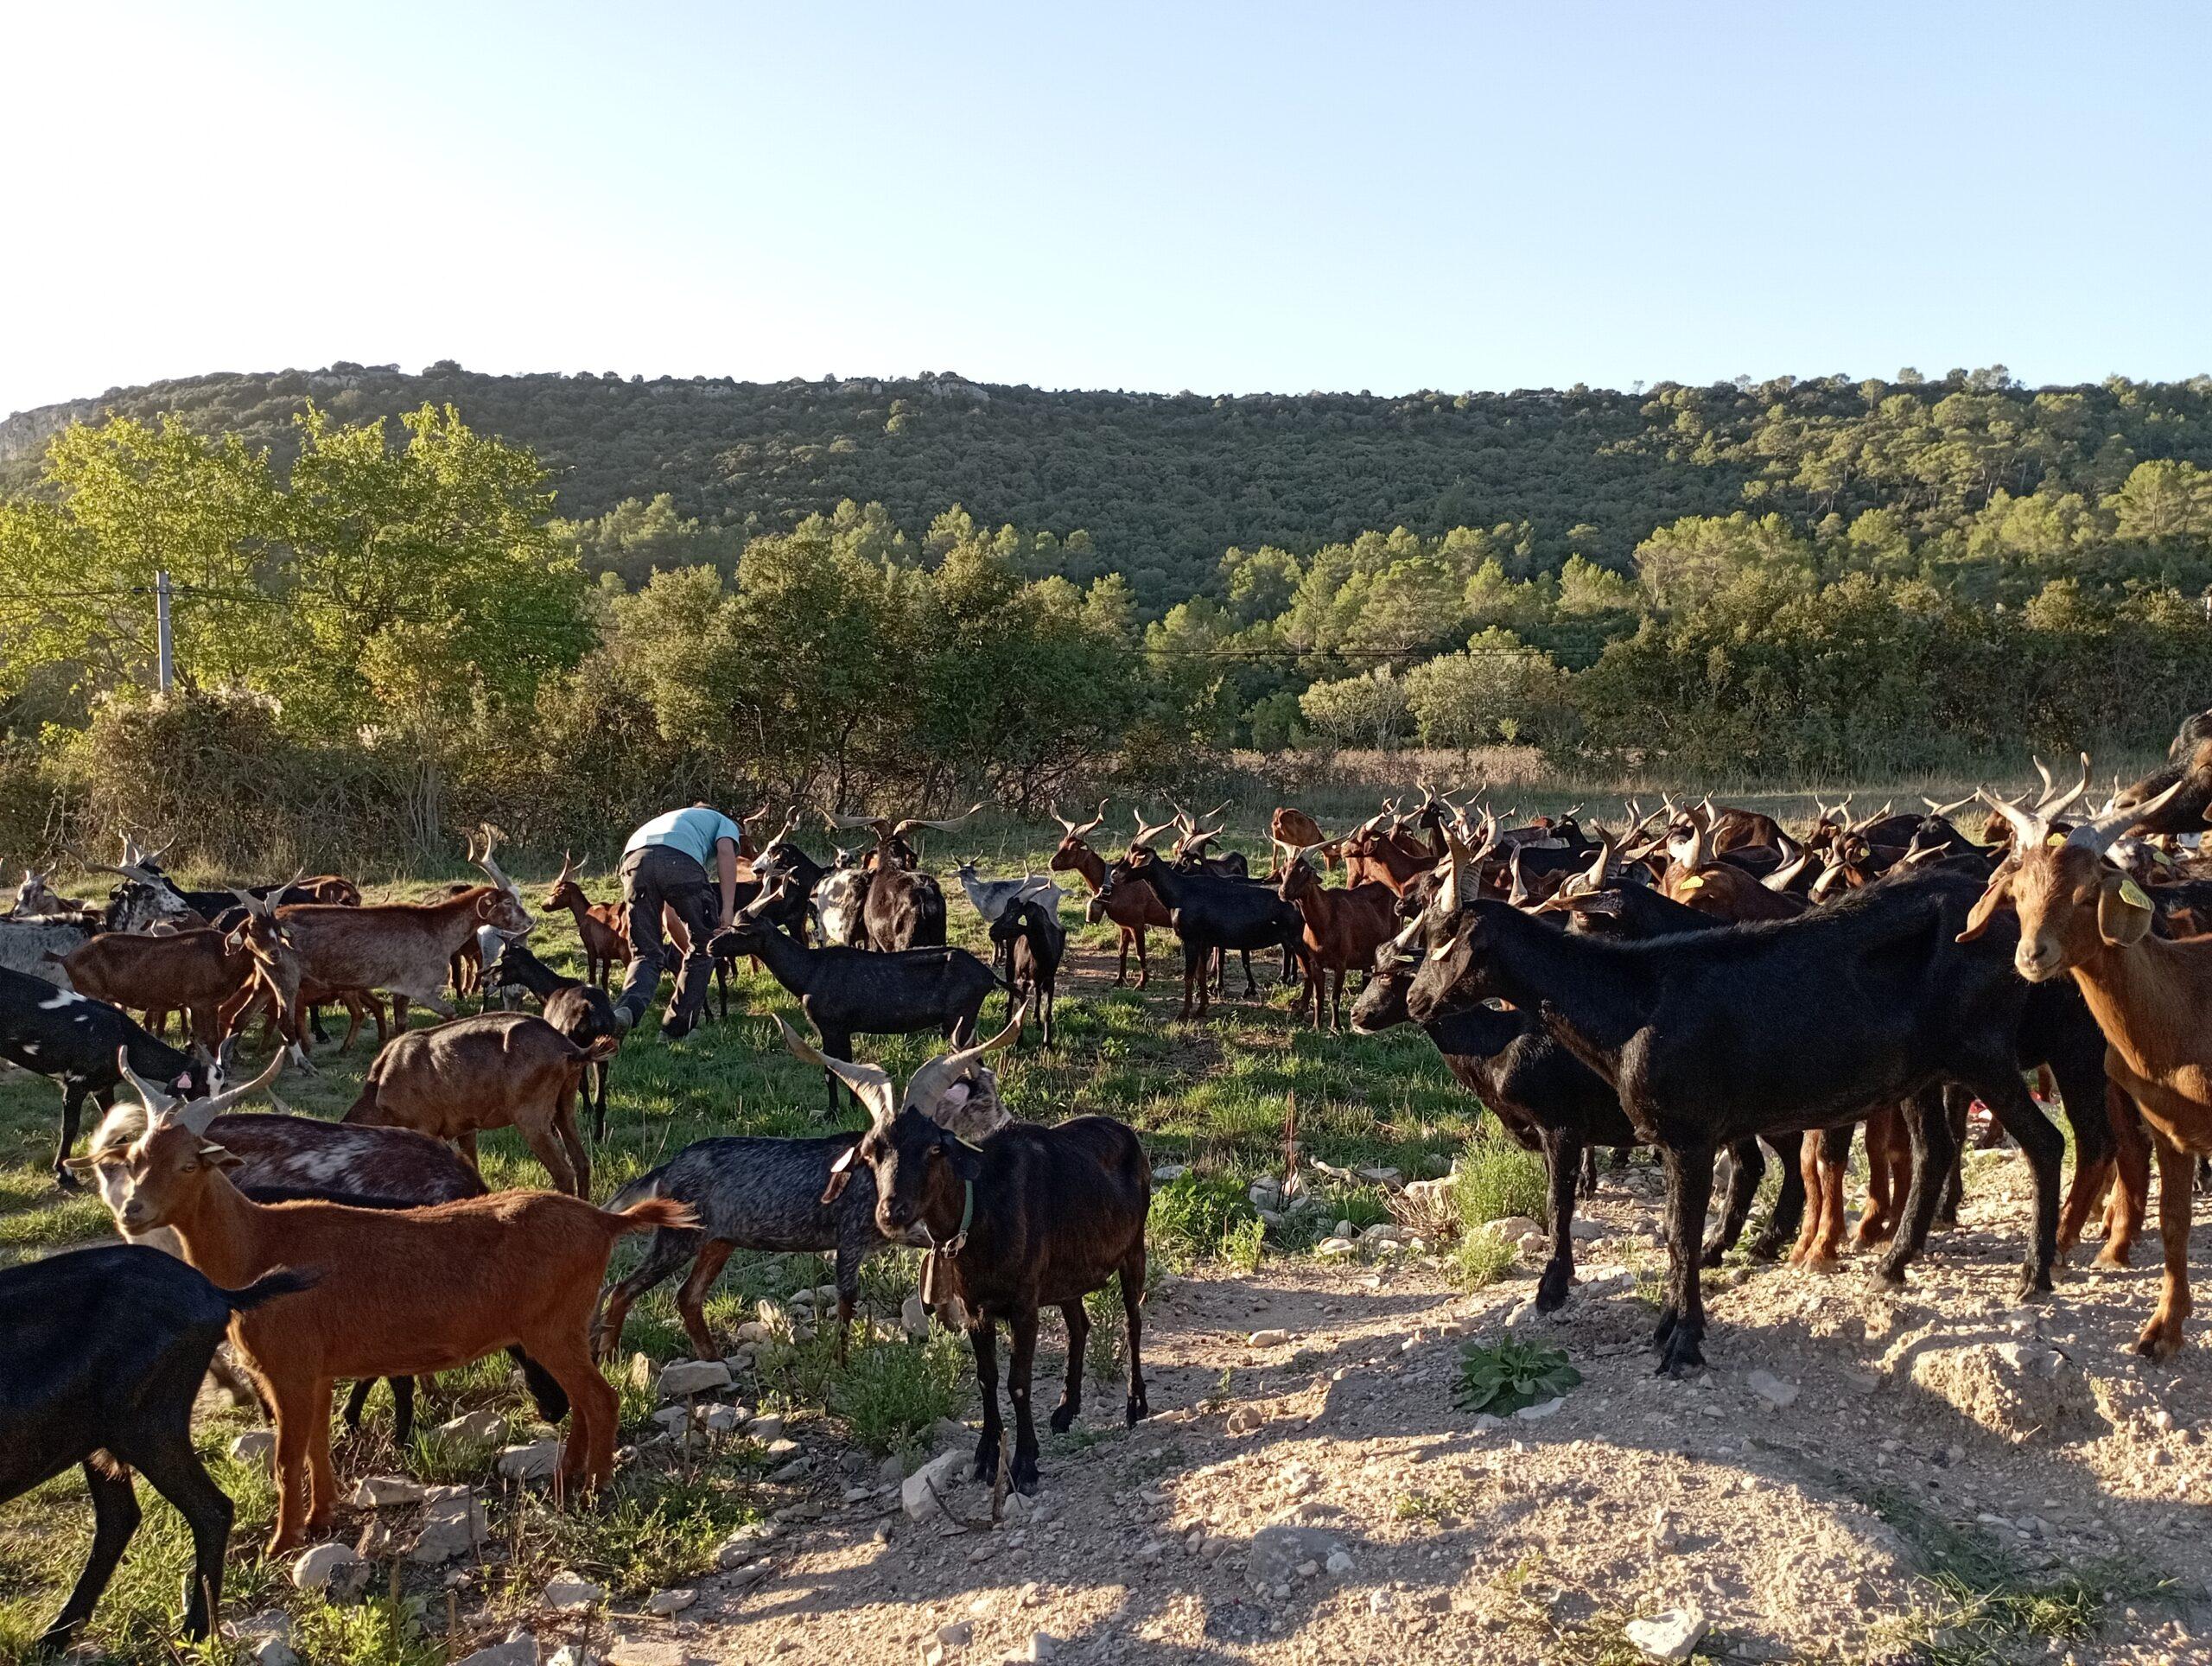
(1162, 485)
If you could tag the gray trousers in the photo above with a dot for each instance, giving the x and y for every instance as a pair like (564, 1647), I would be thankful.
(660, 874)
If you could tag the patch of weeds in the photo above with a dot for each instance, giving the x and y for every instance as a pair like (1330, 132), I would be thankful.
(1102, 1352)
(1418, 1507)
(1243, 1243)
(1482, 1258)
(377, 1632)
(1513, 1374)
(889, 1392)
(1363, 1205)
(1497, 1178)
(1193, 1211)
(636, 1543)
(1223, 1391)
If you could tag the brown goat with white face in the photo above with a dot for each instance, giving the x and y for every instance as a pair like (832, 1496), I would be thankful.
(496, 1070)
(2153, 999)
(399, 1293)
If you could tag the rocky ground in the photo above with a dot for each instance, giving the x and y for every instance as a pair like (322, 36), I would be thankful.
(1935, 1474)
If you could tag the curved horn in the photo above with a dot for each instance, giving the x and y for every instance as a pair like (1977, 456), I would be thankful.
(2101, 833)
(1089, 827)
(567, 870)
(1780, 879)
(128, 872)
(200, 1112)
(492, 869)
(871, 1085)
(1946, 811)
(157, 1103)
(928, 1083)
(1145, 835)
(2029, 828)
(961, 820)
(1517, 894)
(2052, 803)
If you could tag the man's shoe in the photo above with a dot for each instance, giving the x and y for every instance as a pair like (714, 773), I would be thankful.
(677, 1027)
(624, 1018)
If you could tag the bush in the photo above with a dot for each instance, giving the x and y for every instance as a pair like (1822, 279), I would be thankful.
(1513, 1374)
(1497, 1178)
(1193, 1211)
(1482, 1258)
(889, 1393)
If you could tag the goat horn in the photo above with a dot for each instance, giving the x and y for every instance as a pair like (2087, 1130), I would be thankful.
(927, 1084)
(1145, 834)
(1517, 894)
(568, 868)
(91, 867)
(2051, 806)
(156, 1101)
(200, 1112)
(869, 1083)
(1780, 879)
(2101, 833)
(2028, 828)
(1091, 825)
(961, 820)
(1946, 811)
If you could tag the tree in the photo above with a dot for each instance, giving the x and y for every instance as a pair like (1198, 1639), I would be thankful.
(1367, 710)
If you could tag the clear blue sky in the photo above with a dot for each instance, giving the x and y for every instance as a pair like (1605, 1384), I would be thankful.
(1220, 198)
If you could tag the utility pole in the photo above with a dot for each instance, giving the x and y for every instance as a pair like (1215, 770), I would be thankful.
(166, 645)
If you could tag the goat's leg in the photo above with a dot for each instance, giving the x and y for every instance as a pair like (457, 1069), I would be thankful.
(1934, 1151)
(1586, 1185)
(984, 1343)
(1690, 1188)
(1020, 1358)
(691, 1298)
(1144, 960)
(1070, 1406)
(2079, 1072)
(1747, 1168)
(1816, 1195)
(2132, 1187)
(1835, 1152)
(402, 1409)
(322, 1478)
(1133, 1279)
(669, 1248)
(2044, 1147)
(465, 1142)
(357, 1402)
(1875, 1222)
(564, 1125)
(1336, 997)
(1789, 1205)
(398, 1014)
(1122, 970)
(588, 1455)
(2177, 1189)
(1562, 1167)
(1251, 988)
(551, 1149)
(72, 1110)
(292, 1414)
(1957, 1103)
(173, 1469)
(115, 1518)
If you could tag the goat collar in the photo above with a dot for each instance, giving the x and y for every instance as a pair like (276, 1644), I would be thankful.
(958, 1241)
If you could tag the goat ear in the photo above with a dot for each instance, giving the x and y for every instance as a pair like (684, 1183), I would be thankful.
(2124, 913)
(80, 1164)
(1998, 893)
(841, 1173)
(217, 1156)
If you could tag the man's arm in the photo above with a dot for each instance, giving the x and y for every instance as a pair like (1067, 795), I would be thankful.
(726, 859)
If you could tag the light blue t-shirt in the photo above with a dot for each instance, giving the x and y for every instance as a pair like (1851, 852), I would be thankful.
(694, 831)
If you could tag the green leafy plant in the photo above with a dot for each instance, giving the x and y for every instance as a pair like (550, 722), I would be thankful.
(1242, 1243)
(1191, 1213)
(1504, 1379)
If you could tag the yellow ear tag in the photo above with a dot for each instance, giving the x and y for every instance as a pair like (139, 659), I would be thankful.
(1693, 882)
(2055, 841)
(2132, 894)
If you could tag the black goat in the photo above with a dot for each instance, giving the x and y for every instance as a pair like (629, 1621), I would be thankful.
(74, 1039)
(1015, 1219)
(1211, 914)
(582, 1012)
(1714, 1036)
(106, 1348)
(1035, 943)
(747, 1194)
(849, 992)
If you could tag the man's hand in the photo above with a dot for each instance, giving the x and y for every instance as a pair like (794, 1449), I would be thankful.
(726, 860)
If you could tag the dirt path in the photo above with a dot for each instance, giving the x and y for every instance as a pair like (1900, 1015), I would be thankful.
(1920, 1431)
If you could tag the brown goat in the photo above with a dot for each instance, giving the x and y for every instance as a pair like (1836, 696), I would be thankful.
(406, 949)
(1344, 926)
(400, 1292)
(2151, 996)
(1134, 905)
(196, 972)
(496, 1070)
(1291, 830)
(603, 928)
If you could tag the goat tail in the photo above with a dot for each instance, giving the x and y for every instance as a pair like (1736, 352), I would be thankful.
(646, 1216)
(284, 1282)
(603, 1048)
(645, 1187)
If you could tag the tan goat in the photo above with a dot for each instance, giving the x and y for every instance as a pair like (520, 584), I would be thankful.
(399, 1293)
(496, 1070)
(2153, 999)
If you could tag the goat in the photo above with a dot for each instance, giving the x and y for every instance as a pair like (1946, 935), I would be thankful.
(747, 1194)
(284, 1158)
(106, 1348)
(904, 908)
(2152, 998)
(991, 898)
(1135, 906)
(1013, 1218)
(402, 1293)
(1029, 933)
(36, 898)
(75, 1039)
(1290, 830)
(403, 948)
(1343, 928)
(37, 947)
(496, 1070)
(582, 1012)
(2183, 786)
(849, 992)
(1211, 914)
(1713, 1036)
(198, 971)
(839, 899)
(602, 928)
(1373, 855)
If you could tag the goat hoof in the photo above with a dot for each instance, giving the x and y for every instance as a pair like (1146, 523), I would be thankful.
(2155, 1343)
(1138, 1411)
(67, 1181)
(1063, 1418)
(986, 1459)
(1681, 1356)
(1551, 1293)
(1711, 1254)
(1025, 1477)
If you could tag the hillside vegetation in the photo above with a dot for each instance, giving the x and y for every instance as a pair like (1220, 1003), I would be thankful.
(561, 602)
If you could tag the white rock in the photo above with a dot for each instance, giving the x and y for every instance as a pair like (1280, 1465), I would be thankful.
(1379, 1601)
(1380, 1176)
(914, 1317)
(797, 1470)
(574, 1654)
(1339, 1561)
(748, 1573)
(671, 1602)
(933, 1653)
(267, 1652)
(519, 1651)
(765, 1429)
(1244, 1419)
(1512, 1227)
(1671, 1635)
(1384, 1232)
(1583, 1229)
(1042, 1646)
(535, 1462)
(379, 1492)
(572, 1591)
(1164, 1172)
(477, 1427)
(683, 1377)
(782, 1447)
(1347, 1229)
(719, 1419)
(1541, 1410)
(316, 1569)
(1771, 1389)
(957, 1634)
(454, 1524)
(254, 1445)
(919, 1493)
(1266, 1339)
(1532, 1246)
(1329, 1249)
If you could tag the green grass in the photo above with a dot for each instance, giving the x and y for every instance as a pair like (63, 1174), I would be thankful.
(1208, 1095)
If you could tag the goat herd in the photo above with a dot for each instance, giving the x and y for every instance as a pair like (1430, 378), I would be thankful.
(1699, 980)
